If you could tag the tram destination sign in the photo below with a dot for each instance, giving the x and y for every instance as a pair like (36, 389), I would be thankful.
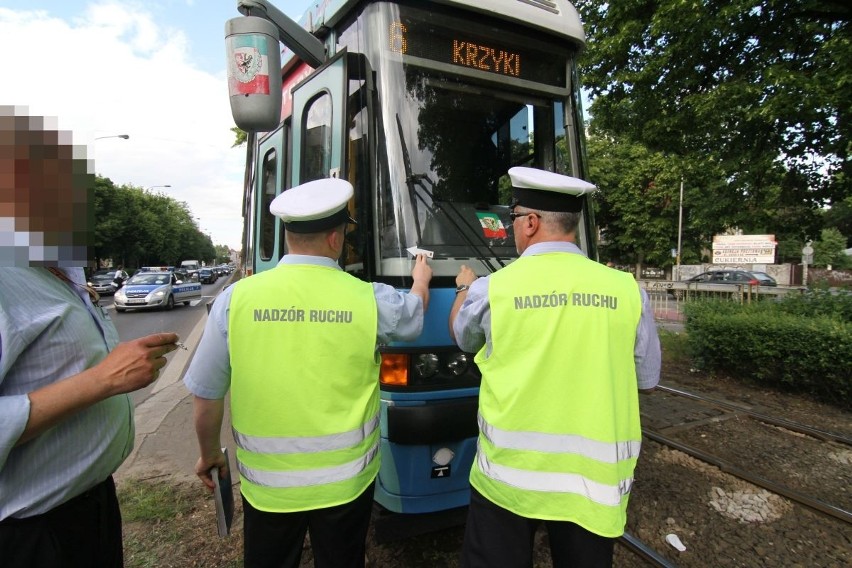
(475, 47)
(744, 249)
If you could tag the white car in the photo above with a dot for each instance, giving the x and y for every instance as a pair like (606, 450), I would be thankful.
(148, 290)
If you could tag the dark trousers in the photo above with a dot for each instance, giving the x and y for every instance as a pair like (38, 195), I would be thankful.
(338, 535)
(84, 532)
(497, 537)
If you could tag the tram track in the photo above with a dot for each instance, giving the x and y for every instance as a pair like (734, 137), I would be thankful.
(746, 475)
(737, 470)
(746, 472)
(644, 551)
(762, 417)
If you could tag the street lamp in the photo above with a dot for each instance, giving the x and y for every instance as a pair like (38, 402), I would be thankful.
(156, 186)
(123, 136)
(679, 226)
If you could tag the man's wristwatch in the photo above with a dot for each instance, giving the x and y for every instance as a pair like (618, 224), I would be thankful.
(462, 288)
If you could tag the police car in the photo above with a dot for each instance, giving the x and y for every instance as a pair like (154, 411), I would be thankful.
(147, 290)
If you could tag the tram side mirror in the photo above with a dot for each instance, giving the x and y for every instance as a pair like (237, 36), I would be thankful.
(254, 73)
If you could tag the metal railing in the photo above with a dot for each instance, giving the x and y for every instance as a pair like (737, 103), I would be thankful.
(668, 297)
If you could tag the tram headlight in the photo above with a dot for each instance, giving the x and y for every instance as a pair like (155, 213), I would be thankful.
(429, 369)
(459, 364)
(426, 365)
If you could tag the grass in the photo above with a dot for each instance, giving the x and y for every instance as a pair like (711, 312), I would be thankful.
(171, 524)
(149, 502)
(674, 346)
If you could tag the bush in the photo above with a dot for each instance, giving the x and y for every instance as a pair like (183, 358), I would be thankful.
(820, 300)
(803, 345)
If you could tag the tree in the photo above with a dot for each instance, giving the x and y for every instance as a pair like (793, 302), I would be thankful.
(240, 136)
(829, 250)
(761, 88)
(839, 216)
(638, 204)
(223, 254)
(134, 227)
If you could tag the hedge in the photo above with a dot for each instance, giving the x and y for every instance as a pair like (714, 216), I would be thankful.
(801, 344)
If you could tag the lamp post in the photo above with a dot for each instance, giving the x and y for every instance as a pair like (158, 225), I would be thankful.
(122, 136)
(156, 186)
(679, 226)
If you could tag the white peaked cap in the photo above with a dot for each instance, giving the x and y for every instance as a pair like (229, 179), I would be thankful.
(314, 206)
(548, 191)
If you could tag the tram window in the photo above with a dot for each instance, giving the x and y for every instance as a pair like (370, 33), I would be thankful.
(269, 181)
(316, 141)
(563, 155)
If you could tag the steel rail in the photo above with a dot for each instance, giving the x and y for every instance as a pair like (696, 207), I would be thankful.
(781, 422)
(646, 552)
(758, 480)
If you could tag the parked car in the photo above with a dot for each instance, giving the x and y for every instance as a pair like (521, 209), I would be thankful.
(148, 290)
(207, 276)
(764, 278)
(106, 282)
(721, 276)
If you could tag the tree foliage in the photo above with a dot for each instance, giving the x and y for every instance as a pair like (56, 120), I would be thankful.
(240, 136)
(828, 250)
(223, 254)
(747, 100)
(134, 227)
(840, 217)
(750, 82)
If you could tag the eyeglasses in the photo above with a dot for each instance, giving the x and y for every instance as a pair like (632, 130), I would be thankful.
(513, 215)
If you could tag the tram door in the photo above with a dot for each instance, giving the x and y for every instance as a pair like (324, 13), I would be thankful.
(319, 129)
(270, 168)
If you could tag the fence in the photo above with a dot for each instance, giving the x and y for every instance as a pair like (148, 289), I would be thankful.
(668, 297)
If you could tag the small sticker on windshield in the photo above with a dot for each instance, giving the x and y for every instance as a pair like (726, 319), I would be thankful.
(492, 226)
(414, 251)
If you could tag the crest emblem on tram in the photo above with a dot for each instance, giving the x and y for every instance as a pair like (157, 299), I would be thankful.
(247, 62)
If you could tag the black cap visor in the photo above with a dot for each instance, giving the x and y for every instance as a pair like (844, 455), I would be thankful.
(546, 200)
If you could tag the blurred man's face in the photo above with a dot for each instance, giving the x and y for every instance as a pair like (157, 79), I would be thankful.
(45, 217)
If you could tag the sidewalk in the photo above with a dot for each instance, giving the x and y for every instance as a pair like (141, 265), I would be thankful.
(165, 443)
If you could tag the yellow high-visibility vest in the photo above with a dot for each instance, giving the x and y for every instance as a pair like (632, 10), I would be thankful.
(304, 387)
(558, 407)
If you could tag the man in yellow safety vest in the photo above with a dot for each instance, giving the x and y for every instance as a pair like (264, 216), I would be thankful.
(297, 347)
(564, 344)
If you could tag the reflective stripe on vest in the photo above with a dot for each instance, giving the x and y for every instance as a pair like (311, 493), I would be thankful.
(556, 482)
(610, 495)
(309, 477)
(560, 444)
(305, 445)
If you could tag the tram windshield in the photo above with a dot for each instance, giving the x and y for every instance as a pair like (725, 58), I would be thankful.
(453, 121)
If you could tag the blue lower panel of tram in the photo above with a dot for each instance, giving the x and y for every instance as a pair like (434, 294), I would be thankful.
(427, 446)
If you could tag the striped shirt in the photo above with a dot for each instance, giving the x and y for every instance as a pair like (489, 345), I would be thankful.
(49, 331)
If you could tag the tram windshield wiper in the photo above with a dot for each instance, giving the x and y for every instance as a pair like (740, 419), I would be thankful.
(420, 184)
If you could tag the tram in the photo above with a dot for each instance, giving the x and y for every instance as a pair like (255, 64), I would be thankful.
(423, 107)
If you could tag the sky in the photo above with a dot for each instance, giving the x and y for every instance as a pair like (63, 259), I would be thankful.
(154, 70)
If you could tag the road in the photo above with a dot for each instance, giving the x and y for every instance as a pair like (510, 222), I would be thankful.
(181, 320)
